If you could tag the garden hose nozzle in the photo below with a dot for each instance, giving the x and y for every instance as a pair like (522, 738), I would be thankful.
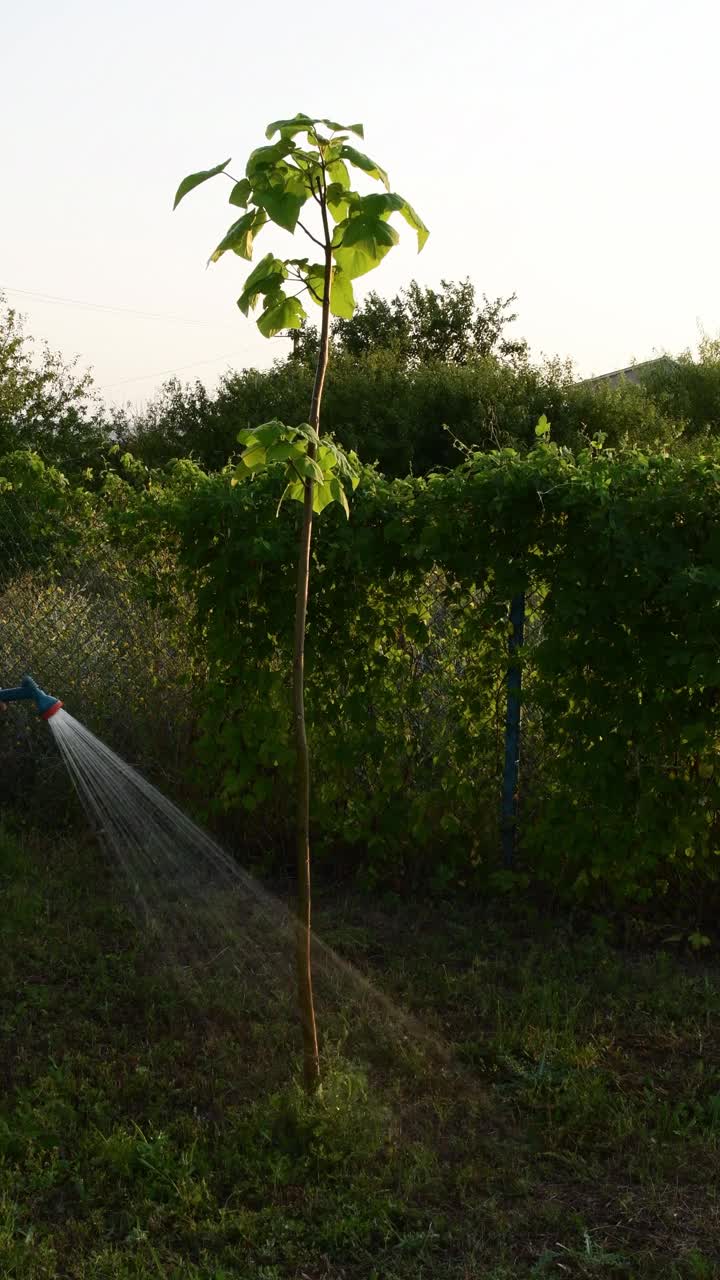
(28, 691)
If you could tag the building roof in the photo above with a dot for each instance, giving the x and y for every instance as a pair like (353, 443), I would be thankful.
(632, 373)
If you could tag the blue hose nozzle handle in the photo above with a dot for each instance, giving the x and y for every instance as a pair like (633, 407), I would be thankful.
(29, 691)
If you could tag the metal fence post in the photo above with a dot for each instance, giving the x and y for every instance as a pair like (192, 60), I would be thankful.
(512, 734)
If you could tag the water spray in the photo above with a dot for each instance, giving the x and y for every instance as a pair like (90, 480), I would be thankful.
(29, 691)
(206, 914)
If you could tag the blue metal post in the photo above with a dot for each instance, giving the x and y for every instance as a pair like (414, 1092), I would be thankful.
(512, 734)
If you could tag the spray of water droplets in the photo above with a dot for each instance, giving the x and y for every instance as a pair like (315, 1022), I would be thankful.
(209, 916)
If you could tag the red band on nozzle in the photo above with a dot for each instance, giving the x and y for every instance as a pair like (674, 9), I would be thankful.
(45, 715)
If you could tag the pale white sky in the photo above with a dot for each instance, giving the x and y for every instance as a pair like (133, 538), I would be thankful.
(560, 148)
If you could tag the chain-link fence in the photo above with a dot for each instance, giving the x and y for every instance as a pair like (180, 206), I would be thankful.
(422, 760)
(72, 616)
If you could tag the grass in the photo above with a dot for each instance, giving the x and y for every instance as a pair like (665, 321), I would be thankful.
(150, 1129)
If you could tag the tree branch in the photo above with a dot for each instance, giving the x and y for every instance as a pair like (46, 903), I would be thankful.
(311, 236)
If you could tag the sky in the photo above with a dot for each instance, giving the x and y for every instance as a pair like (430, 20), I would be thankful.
(559, 149)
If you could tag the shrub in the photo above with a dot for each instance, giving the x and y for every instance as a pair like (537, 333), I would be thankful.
(406, 419)
(619, 556)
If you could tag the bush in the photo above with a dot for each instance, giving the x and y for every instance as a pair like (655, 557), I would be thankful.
(688, 389)
(406, 659)
(407, 419)
(45, 404)
(77, 616)
(406, 663)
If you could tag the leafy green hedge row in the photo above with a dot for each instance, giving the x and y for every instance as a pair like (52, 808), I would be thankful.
(406, 418)
(619, 554)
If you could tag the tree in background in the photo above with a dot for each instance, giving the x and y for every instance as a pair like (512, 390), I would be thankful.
(176, 422)
(420, 325)
(687, 387)
(404, 417)
(45, 404)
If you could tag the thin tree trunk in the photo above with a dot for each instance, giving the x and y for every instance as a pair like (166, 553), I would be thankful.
(311, 1056)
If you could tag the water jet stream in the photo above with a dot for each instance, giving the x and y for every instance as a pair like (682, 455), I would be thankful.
(211, 914)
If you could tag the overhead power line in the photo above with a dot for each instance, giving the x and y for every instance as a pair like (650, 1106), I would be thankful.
(165, 373)
(58, 300)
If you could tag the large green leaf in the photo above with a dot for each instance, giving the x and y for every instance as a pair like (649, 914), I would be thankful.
(267, 434)
(326, 458)
(267, 266)
(308, 433)
(337, 202)
(338, 495)
(338, 172)
(314, 275)
(383, 204)
(342, 298)
(284, 451)
(264, 159)
(322, 496)
(361, 161)
(338, 190)
(415, 221)
(194, 179)
(332, 458)
(240, 193)
(309, 163)
(282, 313)
(288, 128)
(281, 205)
(357, 129)
(281, 189)
(254, 458)
(379, 204)
(310, 469)
(266, 278)
(363, 241)
(297, 124)
(274, 442)
(239, 238)
(332, 150)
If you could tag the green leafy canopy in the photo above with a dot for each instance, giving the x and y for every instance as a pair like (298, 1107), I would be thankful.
(302, 177)
(305, 171)
(330, 470)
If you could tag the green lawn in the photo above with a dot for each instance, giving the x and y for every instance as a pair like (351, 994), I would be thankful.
(150, 1128)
